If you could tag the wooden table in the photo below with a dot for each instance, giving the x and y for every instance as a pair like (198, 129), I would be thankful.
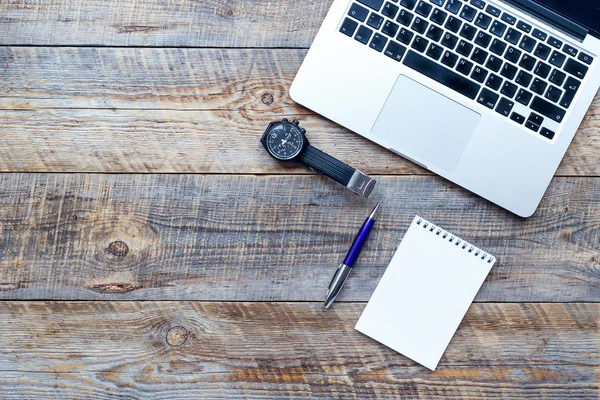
(150, 248)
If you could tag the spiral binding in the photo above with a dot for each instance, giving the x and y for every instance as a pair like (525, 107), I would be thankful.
(458, 242)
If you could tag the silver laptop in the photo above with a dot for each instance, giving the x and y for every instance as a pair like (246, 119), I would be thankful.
(487, 94)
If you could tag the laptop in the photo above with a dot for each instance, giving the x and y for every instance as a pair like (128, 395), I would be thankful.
(487, 94)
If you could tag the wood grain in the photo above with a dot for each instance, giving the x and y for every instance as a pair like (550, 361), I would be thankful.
(174, 23)
(278, 350)
(176, 111)
(272, 238)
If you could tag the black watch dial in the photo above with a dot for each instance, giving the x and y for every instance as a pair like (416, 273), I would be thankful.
(284, 141)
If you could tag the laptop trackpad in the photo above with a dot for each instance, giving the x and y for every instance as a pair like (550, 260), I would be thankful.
(421, 123)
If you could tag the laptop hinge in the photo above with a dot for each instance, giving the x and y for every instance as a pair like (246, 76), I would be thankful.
(549, 16)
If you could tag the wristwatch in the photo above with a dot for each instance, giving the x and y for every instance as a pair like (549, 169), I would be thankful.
(286, 141)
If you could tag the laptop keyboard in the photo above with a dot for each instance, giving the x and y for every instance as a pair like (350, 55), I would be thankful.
(477, 50)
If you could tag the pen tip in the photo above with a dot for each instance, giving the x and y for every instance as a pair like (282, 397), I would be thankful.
(374, 212)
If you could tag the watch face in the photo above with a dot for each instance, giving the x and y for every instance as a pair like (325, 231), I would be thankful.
(285, 141)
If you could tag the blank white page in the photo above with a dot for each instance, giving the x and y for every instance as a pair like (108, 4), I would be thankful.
(425, 292)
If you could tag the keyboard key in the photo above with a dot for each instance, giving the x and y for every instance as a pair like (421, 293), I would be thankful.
(378, 42)
(575, 68)
(538, 86)
(494, 82)
(410, 4)
(542, 51)
(479, 74)
(509, 19)
(498, 47)
(363, 35)
(420, 25)
(483, 39)
(524, 26)
(374, 4)
(375, 21)
(570, 50)
(453, 6)
(554, 42)
(420, 44)
(493, 11)
(527, 62)
(488, 98)
(423, 9)
(404, 17)
(441, 74)
(518, 118)
(524, 79)
(498, 28)
(449, 59)
(509, 71)
(504, 107)
(557, 77)
(513, 36)
(535, 118)
(532, 125)
(468, 13)
(435, 51)
(542, 69)
(585, 58)
(513, 54)
(468, 31)
(571, 86)
(547, 109)
(524, 97)
(547, 133)
(478, 3)
(390, 28)
(494, 63)
(557, 59)
(348, 27)
(358, 12)
(464, 66)
(539, 35)
(508, 89)
(479, 55)
(394, 50)
(390, 10)
(483, 21)
(553, 93)
(464, 48)
(438, 16)
(453, 24)
(528, 43)
(434, 33)
(405, 36)
(449, 40)
(438, 2)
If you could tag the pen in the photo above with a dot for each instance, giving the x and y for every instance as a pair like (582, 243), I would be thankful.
(343, 271)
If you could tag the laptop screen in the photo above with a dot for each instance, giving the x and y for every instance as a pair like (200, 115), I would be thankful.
(584, 12)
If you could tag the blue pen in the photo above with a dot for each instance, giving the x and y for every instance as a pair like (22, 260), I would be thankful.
(343, 271)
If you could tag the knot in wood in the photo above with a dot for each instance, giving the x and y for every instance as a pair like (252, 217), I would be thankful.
(267, 98)
(118, 248)
(176, 336)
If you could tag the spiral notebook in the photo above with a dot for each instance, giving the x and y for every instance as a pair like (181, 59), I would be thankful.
(425, 292)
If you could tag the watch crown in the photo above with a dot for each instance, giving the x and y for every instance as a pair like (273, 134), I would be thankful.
(303, 131)
(284, 120)
(295, 122)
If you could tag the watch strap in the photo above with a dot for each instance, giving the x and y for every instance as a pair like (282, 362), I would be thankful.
(325, 164)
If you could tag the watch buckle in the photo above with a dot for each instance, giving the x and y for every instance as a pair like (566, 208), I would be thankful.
(361, 184)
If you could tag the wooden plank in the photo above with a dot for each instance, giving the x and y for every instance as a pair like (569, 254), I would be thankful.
(278, 350)
(167, 141)
(177, 23)
(252, 83)
(272, 238)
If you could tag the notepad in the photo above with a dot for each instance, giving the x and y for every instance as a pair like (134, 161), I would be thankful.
(425, 292)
